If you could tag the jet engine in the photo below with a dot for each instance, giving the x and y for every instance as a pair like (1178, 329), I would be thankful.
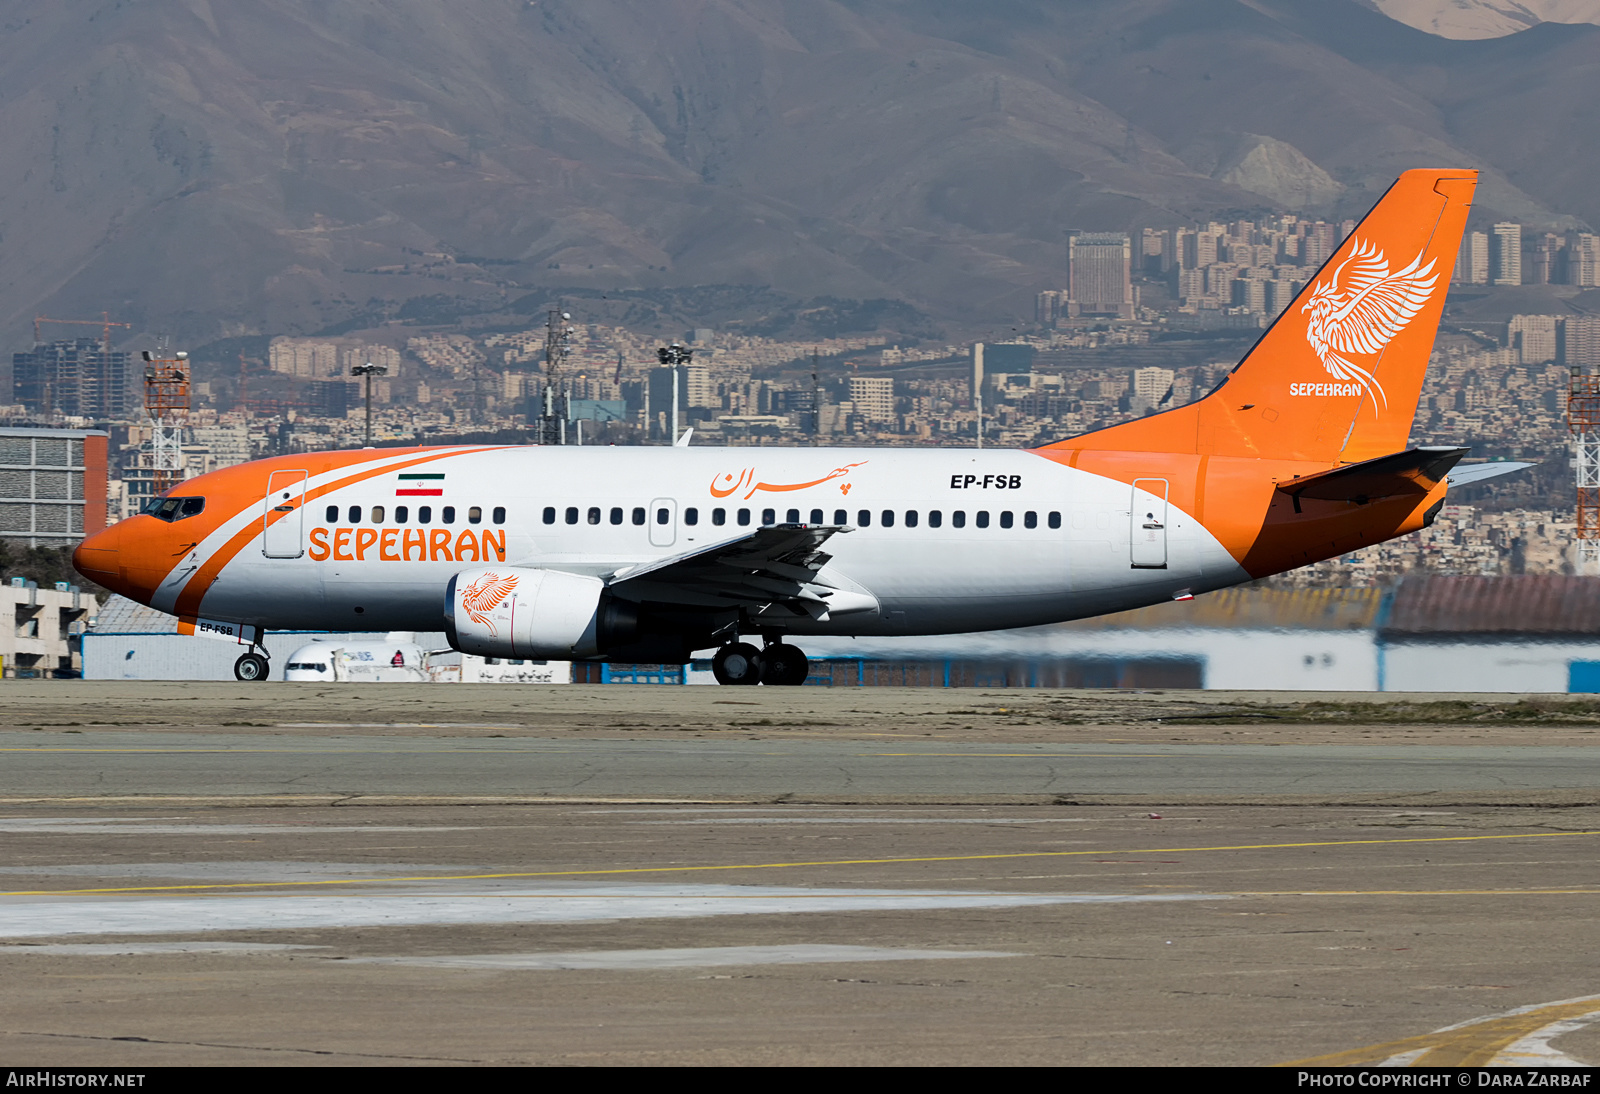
(516, 612)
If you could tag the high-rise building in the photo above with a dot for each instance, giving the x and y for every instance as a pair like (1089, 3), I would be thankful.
(1152, 384)
(1472, 262)
(1505, 254)
(53, 485)
(873, 397)
(1098, 275)
(1580, 341)
(77, 378)
(1534, 337)
(1583, 259)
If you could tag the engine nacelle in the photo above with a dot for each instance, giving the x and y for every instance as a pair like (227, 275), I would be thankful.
(511, 611)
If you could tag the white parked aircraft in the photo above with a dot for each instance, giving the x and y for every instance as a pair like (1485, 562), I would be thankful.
(651, 554)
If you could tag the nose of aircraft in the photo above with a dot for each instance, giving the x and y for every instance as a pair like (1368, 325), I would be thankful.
(117, 559)
(96, 557)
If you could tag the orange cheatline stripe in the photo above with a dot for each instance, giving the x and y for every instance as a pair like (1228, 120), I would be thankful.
(787, 865)
(188, 603)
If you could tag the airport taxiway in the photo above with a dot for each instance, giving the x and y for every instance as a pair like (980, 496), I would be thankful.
(533, 886)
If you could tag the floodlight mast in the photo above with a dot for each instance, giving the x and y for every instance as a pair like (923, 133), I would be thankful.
(675, 355)
(368, 371)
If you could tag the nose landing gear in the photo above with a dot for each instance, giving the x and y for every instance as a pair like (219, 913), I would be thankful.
(780, 664)
(251, 666)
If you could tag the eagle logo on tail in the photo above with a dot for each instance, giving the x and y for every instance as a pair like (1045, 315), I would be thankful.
(1366, 312)
(483, 595)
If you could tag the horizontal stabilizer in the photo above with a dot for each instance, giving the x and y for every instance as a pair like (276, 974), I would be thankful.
(1415, 471)
(1481, 472)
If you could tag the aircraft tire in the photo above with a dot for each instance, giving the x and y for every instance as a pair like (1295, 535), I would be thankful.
(784, 665)
(250, 667)
(737, 663)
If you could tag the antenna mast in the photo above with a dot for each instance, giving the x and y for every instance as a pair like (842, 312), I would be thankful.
(166, 402)
(552, 427)
(1583, 422)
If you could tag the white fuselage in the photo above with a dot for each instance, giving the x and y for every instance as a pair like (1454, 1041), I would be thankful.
(977, 539)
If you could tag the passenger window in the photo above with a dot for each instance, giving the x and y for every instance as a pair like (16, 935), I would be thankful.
(719, 516)
(332, 515)
(769, 517)
(449, 516)
(377, 514)
(401, 513)
(888, 518)
(355, 514)
(474, 515)
(616, 514)
(864, 518)
(425, 514)
(816, 516)
(638, 514)
(935, 518)
(1055, 520)
(982, 518)
(1005, 518)
(958, 519)
(663, 515)
(499, 514)
(841, 517)
(594, 514)
(792, 517)
(1030, 519)
(691, 517)
(572, 514)
(744, 518)
(911, 518)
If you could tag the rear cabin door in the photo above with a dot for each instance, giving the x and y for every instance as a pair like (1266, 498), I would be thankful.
(284, 515)
(1148, 519)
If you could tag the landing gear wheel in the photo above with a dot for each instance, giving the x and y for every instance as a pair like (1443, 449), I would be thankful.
(250, 666)
(737, 663)
(784, 665)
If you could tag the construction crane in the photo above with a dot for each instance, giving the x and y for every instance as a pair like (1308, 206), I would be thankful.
(166, 402)
(104, 322)
(1583, 422)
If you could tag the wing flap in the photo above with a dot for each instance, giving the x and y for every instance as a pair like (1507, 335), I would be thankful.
(772, 570)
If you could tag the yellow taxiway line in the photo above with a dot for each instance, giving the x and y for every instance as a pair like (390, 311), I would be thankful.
(637, 870)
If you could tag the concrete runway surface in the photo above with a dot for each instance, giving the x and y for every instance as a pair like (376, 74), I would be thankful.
(280, 874)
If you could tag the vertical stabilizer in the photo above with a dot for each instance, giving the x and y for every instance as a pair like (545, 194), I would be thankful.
(1336, 378)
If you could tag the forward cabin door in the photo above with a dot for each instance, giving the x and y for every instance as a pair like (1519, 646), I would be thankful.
(284, 536)
(1148, 519)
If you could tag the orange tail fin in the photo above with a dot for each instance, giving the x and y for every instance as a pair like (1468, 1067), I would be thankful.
(1336, 378)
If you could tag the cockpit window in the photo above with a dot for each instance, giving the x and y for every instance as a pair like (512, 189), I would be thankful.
(171, 509)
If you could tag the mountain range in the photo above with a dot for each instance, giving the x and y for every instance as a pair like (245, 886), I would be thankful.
(220, 168)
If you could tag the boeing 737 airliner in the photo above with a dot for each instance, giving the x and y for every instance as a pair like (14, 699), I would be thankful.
(651, 554)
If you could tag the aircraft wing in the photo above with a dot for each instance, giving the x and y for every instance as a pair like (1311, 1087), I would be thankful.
(1414, 471)
(774, 570)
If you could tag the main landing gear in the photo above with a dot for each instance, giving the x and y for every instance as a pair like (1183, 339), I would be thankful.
(779, 664)
(251, 666)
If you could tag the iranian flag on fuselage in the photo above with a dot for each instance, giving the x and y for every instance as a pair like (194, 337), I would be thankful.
(423, 484)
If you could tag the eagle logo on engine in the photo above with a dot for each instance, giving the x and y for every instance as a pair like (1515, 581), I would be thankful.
(484, 595)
